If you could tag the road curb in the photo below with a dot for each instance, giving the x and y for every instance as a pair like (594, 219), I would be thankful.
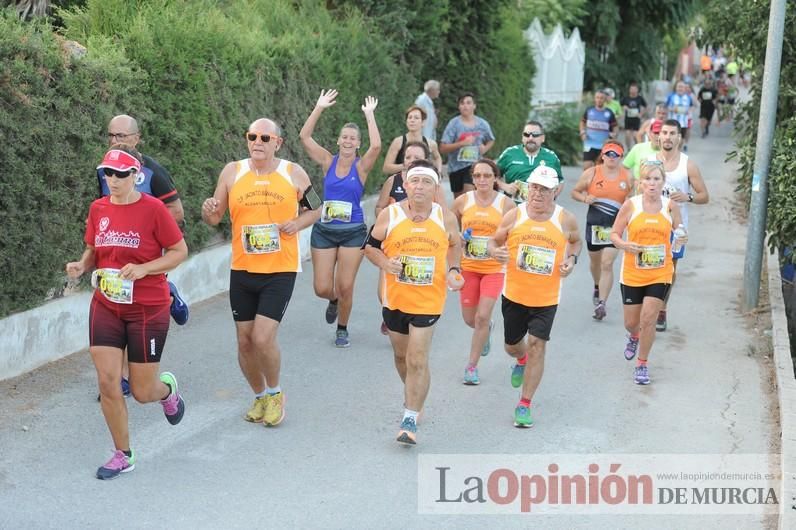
(786, 393)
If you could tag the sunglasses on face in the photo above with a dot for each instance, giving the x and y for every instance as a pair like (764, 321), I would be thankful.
(611, 154)
(109, 172)
(532, 134)
(252, 137)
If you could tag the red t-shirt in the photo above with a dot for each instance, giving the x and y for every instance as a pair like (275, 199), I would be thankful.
(132, 233)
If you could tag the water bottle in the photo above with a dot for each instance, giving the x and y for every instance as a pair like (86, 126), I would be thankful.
(677, 244)
(467, 234)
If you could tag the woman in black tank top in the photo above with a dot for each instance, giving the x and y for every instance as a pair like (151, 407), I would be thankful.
(394, 159)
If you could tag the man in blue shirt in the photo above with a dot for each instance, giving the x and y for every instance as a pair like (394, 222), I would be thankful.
(597, 125)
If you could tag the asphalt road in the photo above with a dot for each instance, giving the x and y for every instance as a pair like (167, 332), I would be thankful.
(334, 461)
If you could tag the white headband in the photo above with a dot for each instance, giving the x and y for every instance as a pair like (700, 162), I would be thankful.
(422, 170)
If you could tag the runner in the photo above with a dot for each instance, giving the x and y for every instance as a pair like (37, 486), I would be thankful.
(540, 243)
(466, 139)
(644, 150)
(132, 241)
(707, 96)
(635, 106)
(415, 120)
(479, 213)
(612, 104)
(265, 196)
(660, 115)
(679, 104)
(682, 176)
(153, 180)
(604, 188)
(417, 244)
(597, 125)
(338, 237)
(647, 266)
(517, 162)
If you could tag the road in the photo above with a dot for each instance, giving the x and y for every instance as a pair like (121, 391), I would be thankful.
(334, 463)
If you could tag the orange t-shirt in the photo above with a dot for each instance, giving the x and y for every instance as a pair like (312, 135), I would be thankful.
(653, 230)
(420, 289)
(258, 204)
(484, 222)
(613, 192)
(536, 251)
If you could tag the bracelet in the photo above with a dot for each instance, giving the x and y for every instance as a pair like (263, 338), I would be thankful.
(457, 269)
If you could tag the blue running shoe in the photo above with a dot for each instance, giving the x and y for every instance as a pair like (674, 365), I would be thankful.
(341, 339)
(179, 309)
(641, 375)
(471, 375)
(517, 374)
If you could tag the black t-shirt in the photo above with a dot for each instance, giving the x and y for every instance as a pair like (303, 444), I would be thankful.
(159, 184)
(707, 96)
(634, 106)
(399, 157)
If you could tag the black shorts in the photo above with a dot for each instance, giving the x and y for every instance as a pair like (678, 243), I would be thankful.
(632, 124)
(142, 329)
(459, 178)
(519, 320)
(592, 247)
(635, 295)
(323, 236)
(252, 293)
(398, 321)
(706, 112)
(591, 155)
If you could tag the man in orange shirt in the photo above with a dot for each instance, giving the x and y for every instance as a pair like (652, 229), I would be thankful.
(270, 200)
(540, 242)
(416, 243)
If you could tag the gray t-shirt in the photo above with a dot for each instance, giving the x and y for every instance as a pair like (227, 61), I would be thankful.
(456, 131)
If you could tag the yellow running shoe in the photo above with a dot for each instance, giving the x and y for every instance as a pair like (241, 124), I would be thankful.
(274, 409)
(256, 413)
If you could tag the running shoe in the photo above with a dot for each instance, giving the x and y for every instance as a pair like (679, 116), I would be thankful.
(631, 348)
(384, 329)
(341, 339)
(331, 313)
(173, 406)
(118, 464)
(517, 374)
(471, 376)
(599, 311)
(488, 343)
(660, 325)
(641, 375)
(178, 309)
(407, 434)
(125, 389)
(274, 409)
(256, 413)
(522, 417)
(595, 296)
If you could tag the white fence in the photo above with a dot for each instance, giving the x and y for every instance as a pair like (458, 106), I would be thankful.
(559, 65)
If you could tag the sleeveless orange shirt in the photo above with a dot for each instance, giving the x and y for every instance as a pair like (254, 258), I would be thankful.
(536, 251)
(652, 230)
(257, 205)
(484, 222)
(615, 191)
(420, 289)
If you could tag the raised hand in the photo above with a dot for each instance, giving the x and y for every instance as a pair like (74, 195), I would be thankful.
(326, 99)
(370, 104)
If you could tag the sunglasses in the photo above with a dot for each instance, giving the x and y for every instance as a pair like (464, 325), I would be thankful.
(612, 154)
(252, 137)
(110, 172)
(534, 134)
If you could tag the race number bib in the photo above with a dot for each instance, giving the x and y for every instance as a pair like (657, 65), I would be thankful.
(469, 153)
(416, 270)
(112, 286)
(632, 112)
(536, 260)
(476, 248)
(522, 190)
(336, 211)
(600, 235)
(651, 257)
(260, 239)
(680, 109)
(707, 96)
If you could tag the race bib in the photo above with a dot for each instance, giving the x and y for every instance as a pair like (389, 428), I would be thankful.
(681, 109)
(112, 286)
(260, 239)
(632, 113)
(522, 190)
(600, 235)
(416, 270)
(707, 96)
(536, 260)
(651, 257)
(476, 248)
(336, 211)
(469, 153)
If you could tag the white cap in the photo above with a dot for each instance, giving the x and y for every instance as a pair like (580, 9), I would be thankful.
(544, 176)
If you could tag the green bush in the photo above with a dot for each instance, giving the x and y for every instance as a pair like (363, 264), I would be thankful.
(562, 133)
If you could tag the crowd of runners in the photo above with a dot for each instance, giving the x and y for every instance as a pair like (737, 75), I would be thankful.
(503, 238)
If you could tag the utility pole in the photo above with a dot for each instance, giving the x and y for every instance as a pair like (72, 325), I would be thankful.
(755, 240)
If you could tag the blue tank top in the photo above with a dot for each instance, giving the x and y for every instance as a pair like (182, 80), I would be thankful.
(341, 196)
(598, 127)
(143, 182)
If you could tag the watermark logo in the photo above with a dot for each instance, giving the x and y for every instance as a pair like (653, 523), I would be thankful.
(599, 484)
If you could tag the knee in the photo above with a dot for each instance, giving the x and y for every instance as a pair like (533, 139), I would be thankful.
(416, 363)
(245, 344)
(345, 292)
(140, 394)
(110, 386)
(515, 350)
(535, 349)
(482, 320)
(323, 290)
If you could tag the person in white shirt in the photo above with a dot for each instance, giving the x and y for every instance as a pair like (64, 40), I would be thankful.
(426, 102)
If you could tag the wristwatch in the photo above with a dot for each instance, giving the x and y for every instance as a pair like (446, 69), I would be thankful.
(690, 197)
(573, 256)
(457, 269)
